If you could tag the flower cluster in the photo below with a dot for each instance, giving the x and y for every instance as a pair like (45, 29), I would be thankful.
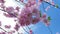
(30, 14)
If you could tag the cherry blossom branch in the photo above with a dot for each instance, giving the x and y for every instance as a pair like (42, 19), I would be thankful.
(28, 27)
(51, 4)
(42, 3)
(3, 29)
(8, 12)
(2, 10)
(21, 2)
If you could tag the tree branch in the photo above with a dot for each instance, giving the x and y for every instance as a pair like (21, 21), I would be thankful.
(51, 4)
(3, 29)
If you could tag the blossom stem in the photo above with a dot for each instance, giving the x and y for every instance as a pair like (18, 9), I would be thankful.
(3, 29)
(49, 30)
(43, 7)
(20, 2)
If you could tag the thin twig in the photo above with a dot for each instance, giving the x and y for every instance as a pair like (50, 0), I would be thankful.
(43, 7)
(49, 30)
(3, 29)
(25, 30)
(2, 10)
(20, 2)
(9, 13)
(51, 4)
(28, 27)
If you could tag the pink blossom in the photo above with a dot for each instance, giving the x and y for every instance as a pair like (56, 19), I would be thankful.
(2, 1)
(3, 33)
(47, 8)
(46, 22)
(9, 32)
(44, 16)
(8, 26)
(26, 16)
(2, 6)
(52, 3)
(17, 27)
(21, 0)
(40, 1)
(30, 31)
(9, 9)
(35, 20)
(28, 4)
(17, 8)
(33, 2)
(36, 12)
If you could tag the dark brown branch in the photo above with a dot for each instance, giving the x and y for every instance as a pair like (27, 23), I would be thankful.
(51, 4)
(20, 2)
(3, 29)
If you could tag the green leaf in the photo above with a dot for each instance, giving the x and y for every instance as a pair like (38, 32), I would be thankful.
(40, 14)
(49, 18)
(56, 6)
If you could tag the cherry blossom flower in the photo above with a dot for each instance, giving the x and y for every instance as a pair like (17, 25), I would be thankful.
(2, 6)
(9, 32)
(21, 0)
(9, 9)
(52, 3)
(16, 27)
(47, 23)
(47, 8)
(40, 1)
(30, 31)
(17, 8)
(26, 17)
(2, 1)
(35, 20)
(8, 26)
(44, 16)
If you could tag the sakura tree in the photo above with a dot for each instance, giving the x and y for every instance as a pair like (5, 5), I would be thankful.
(29, 14)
